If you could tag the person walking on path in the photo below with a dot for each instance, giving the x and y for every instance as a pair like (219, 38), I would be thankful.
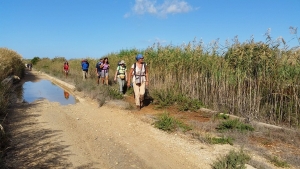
(121, 75)
(30, 66)
(66, 68)
(104, 71)
(98, 70)
(140, 79)
(85, 68)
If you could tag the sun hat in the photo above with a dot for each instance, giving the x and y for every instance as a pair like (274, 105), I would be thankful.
(139, 56)
(122, 62)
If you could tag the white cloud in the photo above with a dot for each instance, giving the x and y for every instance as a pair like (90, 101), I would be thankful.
(167, 7)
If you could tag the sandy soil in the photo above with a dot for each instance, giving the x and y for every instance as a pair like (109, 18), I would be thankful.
(84, 135)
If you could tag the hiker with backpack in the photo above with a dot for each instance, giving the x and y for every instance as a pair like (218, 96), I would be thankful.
(66, 68)
(140, 79)
(98, 70)
(104, 72)
(29, 66)
(85, 68)
(121, 75)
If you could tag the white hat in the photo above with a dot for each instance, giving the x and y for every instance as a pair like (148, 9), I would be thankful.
(122, 62)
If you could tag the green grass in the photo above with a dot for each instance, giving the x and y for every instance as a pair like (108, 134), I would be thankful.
(234, 124)
(165, 98)
(233, 160)
(167, 123)
(278, 162)
(220, 140)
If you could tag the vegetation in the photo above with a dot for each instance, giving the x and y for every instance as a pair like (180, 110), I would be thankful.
(233, 160)
(221, 116)
(278, 162)
(234, 124)
(254, 80)
(35, 60)
(220, 140)
(170, 124)
(10, 64)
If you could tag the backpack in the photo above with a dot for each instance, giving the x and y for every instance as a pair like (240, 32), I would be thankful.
(85, 65)
(137, 78)
(98, 65)
(121, 75)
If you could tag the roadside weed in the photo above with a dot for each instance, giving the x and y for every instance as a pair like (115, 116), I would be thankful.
(167, 123)
(220, 140)
(278, 162)
(234, 124)
(233, 160)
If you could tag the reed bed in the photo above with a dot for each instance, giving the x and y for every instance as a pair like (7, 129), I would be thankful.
(10, 64)
(254, 80)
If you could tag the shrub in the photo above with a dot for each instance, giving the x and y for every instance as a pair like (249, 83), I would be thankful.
(279, 163)
(114, 93)
(220, 140)
(35, 60)
(234, 124)
(233, 160)
(170, 124)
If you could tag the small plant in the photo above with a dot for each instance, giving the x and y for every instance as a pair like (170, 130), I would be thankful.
(184, 127)
(190, 104)
(220, 140)
(163, 98)
(279, 163)
(114, 93)
(130, 91)
(221, 116)
(170, 124)
(234, 124)
(233, 160)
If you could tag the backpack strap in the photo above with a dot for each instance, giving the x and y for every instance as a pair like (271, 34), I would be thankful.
(121, 68)
(143, 65)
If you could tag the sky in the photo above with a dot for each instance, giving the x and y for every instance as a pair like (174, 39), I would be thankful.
(94, 28)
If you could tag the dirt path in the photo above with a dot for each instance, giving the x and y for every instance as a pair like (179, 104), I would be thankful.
(48, 135)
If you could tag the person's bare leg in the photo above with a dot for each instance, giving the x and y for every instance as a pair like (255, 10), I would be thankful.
(106, 80)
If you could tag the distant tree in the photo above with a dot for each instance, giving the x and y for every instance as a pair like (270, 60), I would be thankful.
(35, 60)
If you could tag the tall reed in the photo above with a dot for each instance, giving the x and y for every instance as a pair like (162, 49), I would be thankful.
(253, 80)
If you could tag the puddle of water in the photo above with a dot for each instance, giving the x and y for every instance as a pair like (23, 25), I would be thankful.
(45, 89)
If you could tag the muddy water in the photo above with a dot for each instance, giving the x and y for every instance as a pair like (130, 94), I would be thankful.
(44, 89)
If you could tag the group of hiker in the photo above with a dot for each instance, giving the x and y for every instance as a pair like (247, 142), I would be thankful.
(137, 77)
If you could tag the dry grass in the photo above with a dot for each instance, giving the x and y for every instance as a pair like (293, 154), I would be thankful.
(10, 64)
(268, 142)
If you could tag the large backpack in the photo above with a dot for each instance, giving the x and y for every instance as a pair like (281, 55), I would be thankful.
(121, 75)
(85, 65)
